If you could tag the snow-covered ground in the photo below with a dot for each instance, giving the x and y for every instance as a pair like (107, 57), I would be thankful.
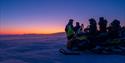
(44, 49)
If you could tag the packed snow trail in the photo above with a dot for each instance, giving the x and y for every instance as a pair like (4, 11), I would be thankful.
(45, 50)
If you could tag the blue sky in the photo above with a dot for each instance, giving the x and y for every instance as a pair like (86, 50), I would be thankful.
(48, 15)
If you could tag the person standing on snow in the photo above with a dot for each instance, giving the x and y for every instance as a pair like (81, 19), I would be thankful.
(69, 29)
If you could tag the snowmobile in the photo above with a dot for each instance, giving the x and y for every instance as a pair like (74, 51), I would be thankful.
(77, 44)
(115, 46)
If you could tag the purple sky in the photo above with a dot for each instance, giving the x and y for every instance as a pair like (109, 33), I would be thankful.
(50, 16)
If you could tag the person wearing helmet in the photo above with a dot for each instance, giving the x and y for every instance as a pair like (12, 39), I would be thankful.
(69, 29)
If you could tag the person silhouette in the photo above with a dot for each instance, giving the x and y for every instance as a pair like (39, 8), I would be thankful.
(77, 27)
(69, 29)
(92, 33)
(114, 29)
(92, 26)
(123, 32)
(82, 27)
(102, 35)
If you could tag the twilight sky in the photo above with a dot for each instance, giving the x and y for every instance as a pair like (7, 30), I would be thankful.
(50, 16)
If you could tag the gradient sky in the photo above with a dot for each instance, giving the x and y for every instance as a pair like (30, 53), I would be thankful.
(50, 16)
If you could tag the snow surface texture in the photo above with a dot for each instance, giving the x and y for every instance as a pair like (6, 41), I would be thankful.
(44, 49)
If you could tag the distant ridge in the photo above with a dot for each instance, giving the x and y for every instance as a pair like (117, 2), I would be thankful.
(57, 33)
(33, 34)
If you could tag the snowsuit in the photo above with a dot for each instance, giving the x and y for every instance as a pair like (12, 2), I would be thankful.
(70, 35)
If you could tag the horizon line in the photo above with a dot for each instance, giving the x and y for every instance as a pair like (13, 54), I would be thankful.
(34, 33)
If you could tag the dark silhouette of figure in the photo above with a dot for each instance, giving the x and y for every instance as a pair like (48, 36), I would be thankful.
(81, 37)
(102, 35)
(82, 27)
(92, 33)
(123, 32)
(77, 28)
(102, 24)
(92, 26)
(106, 38)
(114, 29)
(69, 29)
(123, 35)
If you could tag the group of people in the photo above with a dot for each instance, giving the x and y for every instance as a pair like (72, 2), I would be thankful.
(88, 38)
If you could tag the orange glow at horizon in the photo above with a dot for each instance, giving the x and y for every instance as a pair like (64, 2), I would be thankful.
(35, 30)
